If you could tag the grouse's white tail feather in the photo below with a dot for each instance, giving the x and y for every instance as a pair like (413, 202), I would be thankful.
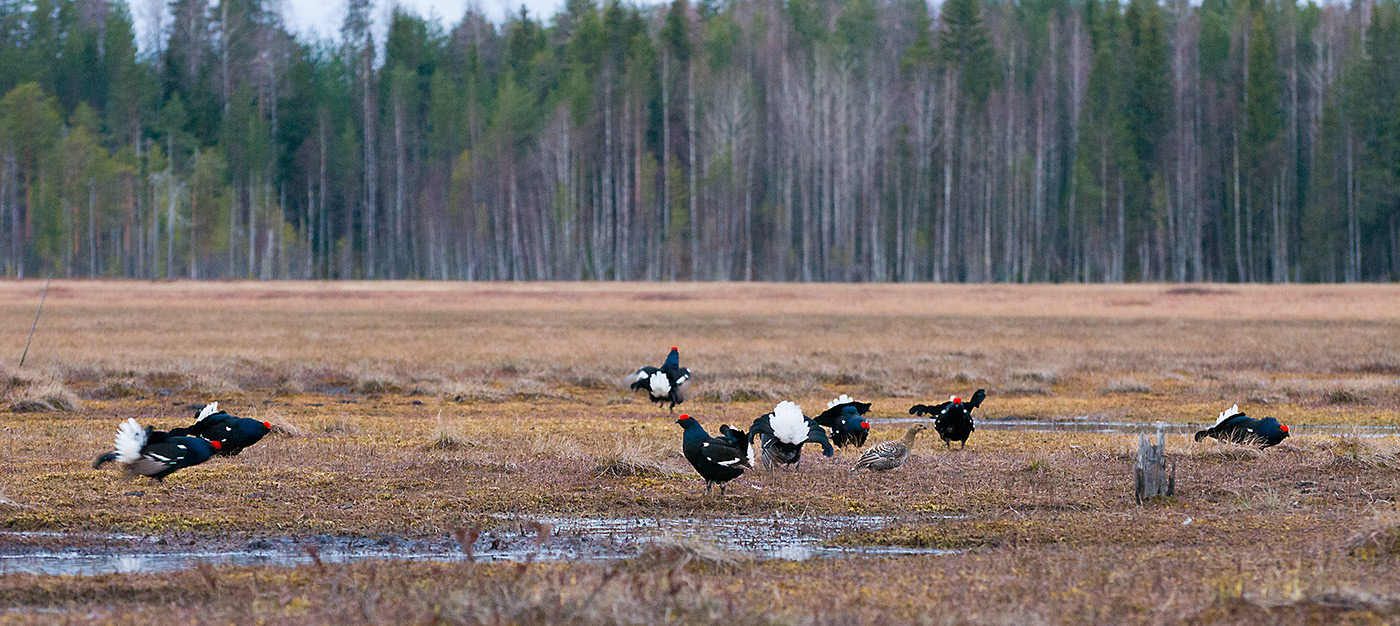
(842, 399)
(209, 409)
(660, 385)
(1228, 413)
(131, 437)
(789, 426)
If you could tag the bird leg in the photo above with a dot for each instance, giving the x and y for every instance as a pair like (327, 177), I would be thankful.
(709, 484)
(721, 489)
(964, 445)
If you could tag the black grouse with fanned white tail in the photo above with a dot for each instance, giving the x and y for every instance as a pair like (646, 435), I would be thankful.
(717, 459)
(782, 434)
(233, 433)
(665, 384)
(154, 453)
(952, 419)
(1235, 427)
(846, 419)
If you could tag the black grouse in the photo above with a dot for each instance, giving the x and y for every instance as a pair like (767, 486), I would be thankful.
(952, 419)
(845, 418)
(1236, 427)
(782, 434)
(663, 384)
(233, 433)
(150, 452)
(717, 460)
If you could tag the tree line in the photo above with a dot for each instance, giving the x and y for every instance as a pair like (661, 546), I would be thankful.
(785, 140)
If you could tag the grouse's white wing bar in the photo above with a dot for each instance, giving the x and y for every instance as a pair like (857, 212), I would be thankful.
(660, 386)
(1228, 413)
(789, 426)
(842, 399)
(210, 409)
(130, 439)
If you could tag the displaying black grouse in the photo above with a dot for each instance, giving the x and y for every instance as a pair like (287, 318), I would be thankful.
(666, 383)
(1236, 427)
(845, 418)
(150, 452)
(782, 434)
(717, 460)
(952, 419)
(233, 433)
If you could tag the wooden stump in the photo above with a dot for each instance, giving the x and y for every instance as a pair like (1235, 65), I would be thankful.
(1151, 468)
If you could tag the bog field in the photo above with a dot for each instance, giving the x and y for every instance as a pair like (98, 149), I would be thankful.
(469, 454)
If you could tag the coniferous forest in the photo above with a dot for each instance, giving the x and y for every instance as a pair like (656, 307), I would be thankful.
(812, 140)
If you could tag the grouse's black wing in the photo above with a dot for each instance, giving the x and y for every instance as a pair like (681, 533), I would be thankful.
(678, 378)
(928, 409)
(831, 418)
(762, 425)
(641, 379)
(169, 455)
(977, 398)
(737, 439)
(209, 427)
(720, 452)
(816, 434)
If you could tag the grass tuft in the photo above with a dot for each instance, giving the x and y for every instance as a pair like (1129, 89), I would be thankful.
(1125, 386)
(1380, 540)
(1343, 395)
(679, 551)
(47, 396)
(631, 458)
(448, 437)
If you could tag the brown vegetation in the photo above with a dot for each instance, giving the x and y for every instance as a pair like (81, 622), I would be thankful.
(394, 415)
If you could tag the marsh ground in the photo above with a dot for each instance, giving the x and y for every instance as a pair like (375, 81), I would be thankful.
(414, 410)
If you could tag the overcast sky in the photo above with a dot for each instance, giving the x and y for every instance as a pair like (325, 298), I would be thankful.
(323, 17)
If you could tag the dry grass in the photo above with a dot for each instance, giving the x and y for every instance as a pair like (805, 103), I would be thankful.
(1126, 385)
(682, 551)
(746, 343)
(28, 393)
(415, 409)
(448, 436)
(632, 457)
(1380, 538)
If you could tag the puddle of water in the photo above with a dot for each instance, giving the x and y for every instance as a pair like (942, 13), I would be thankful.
(786, 538)
(1106, 427)
(796, 538)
